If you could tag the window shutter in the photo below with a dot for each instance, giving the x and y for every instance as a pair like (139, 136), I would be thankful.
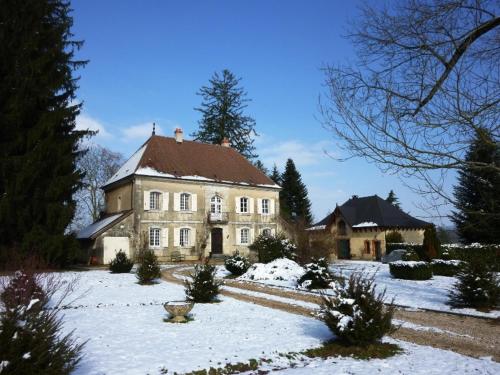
(176, 237)
(237, 204)
(250, 203)
(238, 236)
(177, 202)
(192, 237)
(164, 205)
(273, 231)
(271, 206)
(164, 237)
(194, 202)
(250, 240)
(259, 205)
(146, 200)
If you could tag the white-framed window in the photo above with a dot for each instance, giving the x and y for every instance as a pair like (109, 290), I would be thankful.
(265, 206)
(154, 237)
(154, 200)
(216, 204)
(184, 203)
(184, 234)
(244, 206)
(245, 236)
(266, 232)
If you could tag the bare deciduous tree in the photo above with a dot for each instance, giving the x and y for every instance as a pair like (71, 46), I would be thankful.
(99, 164)
(426, 78)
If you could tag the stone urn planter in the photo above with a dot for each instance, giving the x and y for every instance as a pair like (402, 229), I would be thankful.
(178, 310)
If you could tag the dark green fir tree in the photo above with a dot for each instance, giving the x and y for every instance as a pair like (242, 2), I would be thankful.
(275, 175)
(392, 199)
(222, 109)
(261, 166)
(477, 195)
(294, 200)
(38, 140)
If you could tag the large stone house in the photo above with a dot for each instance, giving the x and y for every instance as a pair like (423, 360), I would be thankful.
(357, 228)
(183, 197)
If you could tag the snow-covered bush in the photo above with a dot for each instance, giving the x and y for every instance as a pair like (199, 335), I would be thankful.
(148, 269)
(488, 253)
(203, 286)
(411, 256)
(31, 338)
(270, 248)
(443, 267)
(477, 285)
(410, 270)
(279, 269)
(355, 313)
(317, 275)
(237, 264)
(121, 263)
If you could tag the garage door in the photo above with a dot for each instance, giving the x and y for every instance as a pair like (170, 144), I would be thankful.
(112, 245)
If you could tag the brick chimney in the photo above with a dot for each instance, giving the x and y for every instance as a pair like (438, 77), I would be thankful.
(178, 135)
(225, 143)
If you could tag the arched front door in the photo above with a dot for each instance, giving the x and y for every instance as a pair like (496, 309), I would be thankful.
(216, 235)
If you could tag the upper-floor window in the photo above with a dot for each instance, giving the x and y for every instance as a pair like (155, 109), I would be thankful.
(154, 237)
(341, 228)
(244, 206)
(184, 234)
(265, 206)
(216, 204)
(245, 236)
(154, 200)
(185, 199)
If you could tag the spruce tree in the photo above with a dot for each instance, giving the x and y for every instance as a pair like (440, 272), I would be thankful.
(222, 114)
(261, 166)
(275, 175)
(38, 141)
(477, 195)
(392, 199)
(294, 200)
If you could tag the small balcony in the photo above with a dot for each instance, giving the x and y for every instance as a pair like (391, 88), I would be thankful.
(218, 217)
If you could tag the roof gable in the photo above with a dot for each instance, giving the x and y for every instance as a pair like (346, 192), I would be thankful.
(190, 160)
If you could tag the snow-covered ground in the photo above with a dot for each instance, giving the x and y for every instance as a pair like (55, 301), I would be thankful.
(123, 323)
(430, 294)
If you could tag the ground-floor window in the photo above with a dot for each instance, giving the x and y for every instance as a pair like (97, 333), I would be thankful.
(184, 236)
(266, 232)
(367, 247)
(245, 236)
(154, 237)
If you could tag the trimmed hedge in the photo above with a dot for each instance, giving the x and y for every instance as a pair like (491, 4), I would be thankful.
(443, 267)
(410, 270)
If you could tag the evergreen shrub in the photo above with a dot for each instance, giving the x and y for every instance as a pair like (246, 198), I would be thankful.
(203, 287)
(237, 264)
(317, 275)
(121, 263)
(148, 269)
(356, 314)
(270, 248)
(410, 270)
(394, 237)
(443, 267)
(411, 256)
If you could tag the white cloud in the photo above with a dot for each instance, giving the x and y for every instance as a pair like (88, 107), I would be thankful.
(140, 131)
(85, 122)
(303, 154)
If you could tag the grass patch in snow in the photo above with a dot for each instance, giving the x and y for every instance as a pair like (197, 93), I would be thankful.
(230, 368)
(335, 349)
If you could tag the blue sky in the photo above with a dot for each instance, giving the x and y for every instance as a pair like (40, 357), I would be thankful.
(149, 58)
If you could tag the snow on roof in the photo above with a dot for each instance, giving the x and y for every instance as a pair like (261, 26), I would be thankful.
(129, 167)
(317, 227)
(92, 229)
(365, 224)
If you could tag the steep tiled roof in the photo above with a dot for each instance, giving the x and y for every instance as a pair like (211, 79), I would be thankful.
(189, 160)
(373, 211)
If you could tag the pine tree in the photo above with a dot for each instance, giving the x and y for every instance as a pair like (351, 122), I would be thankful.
(38, 141)
(294, 200)
(477, 195)
(261, 166)
(275, 175)
(222, 114)
(392, 199)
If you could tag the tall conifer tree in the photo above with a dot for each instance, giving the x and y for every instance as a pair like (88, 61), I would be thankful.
(275, 175)
(222, 114)
(477, 194)
(38, 141)
(294, 200)
(393, 199)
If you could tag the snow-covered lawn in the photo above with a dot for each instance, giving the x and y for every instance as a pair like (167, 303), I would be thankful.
(122, 322)
(430, 294)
